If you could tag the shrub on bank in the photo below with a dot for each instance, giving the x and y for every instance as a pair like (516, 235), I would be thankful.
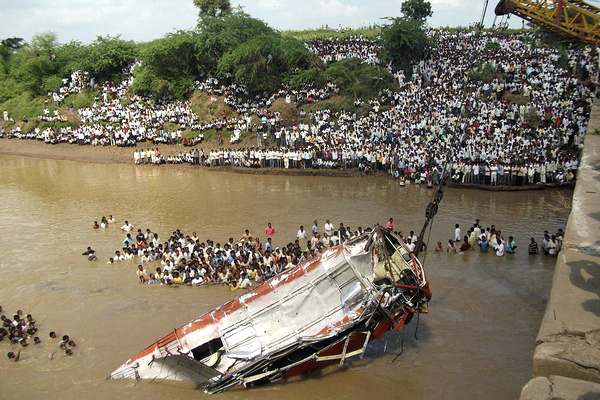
(262, 63)
(359, 80)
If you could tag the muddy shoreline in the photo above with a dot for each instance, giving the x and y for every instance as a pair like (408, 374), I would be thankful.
(124, 155)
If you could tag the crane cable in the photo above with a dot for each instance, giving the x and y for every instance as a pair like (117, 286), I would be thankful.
(485, 6)
(433, 206)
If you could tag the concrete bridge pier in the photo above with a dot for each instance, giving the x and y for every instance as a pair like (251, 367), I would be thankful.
(566, 361)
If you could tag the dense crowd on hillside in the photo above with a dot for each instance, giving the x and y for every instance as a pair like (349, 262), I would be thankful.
(238, 98)
(523, 126)
(337, 49)
(439, 112)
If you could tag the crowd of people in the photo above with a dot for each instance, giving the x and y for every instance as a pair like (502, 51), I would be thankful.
(22, 330)
(338, 49)
(439, 115)
(523, 125)
(241, 263)
(239, 99)
(491, 239)
(104, 222)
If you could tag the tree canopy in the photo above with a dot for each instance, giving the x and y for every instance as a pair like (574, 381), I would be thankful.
(107, 56)
(359, 80)
(36, 68)
(218, 35)
(213, 8)
(404, 41)
(12, 43)
(419, 10)
(169, 66)
(262, 62)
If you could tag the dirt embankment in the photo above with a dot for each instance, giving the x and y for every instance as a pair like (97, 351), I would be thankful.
(61, 151)
(99, 154)
(124, 155)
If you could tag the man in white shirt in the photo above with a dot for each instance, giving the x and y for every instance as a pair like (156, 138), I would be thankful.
(499, 247)
(244, 282)
(477, 230)
(315, 227)
(457, 236)
(127, 227)
(301, 234)
(328, 228)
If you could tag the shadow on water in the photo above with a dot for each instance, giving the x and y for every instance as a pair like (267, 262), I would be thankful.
(590, 396)
(393, 344)
(579, 272)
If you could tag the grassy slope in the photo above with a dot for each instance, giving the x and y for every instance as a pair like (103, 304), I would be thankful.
(25, 110)
(371, 32)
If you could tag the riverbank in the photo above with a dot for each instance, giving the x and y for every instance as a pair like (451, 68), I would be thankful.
(69, 152)
(124, 155)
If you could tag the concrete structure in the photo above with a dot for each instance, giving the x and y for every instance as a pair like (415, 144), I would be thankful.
(560, 388)
(566, 361)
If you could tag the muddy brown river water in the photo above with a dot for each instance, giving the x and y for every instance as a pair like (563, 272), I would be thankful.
(475, 343)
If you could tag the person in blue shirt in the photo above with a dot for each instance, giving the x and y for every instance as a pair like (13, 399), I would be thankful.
(269, 245)
(484, 244)
(511, 246)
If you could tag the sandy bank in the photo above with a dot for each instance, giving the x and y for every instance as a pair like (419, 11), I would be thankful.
(29, 148)
(124, 155)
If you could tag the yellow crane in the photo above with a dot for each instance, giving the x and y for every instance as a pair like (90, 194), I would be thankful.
(573, 18)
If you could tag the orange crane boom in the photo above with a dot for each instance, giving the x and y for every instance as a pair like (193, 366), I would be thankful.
(573, 18)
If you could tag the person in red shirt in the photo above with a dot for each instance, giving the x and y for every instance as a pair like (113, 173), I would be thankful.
(269, 230)
(390, 225)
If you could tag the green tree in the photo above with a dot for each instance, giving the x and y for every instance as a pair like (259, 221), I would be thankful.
(359, 80)
(219, 35)
(404, 42)
(31, 65)
(169, 66)
(7, 47)
(213, 8)
(37, 67)
(262, 62)
(70, 55)
(419, 10)
(107, 56)
(313, 76)
(44, 44)
(13, 43)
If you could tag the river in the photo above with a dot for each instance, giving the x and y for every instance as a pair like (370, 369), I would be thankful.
(476, 342)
